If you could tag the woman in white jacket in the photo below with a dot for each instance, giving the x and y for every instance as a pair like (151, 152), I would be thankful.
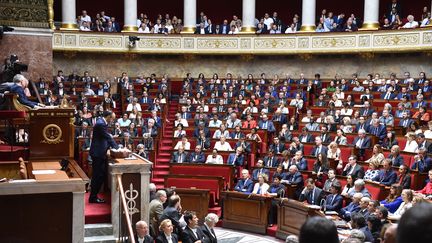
(261, 187)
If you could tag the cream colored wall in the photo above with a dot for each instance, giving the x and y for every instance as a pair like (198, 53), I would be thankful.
(111, 65)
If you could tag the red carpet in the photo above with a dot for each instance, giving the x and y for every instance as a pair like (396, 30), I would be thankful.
(271, 231)
(96, 213)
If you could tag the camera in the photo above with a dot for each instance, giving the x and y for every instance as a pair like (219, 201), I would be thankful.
(133, 40)
(12, 67)
(3, 29)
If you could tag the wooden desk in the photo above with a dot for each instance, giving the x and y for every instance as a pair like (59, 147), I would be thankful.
(291, 216)
(246, 212)
(195, 200)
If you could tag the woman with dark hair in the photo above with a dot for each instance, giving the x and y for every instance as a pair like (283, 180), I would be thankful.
(374, 225)
(394, 199)
(349, 187)
(404, 177)
(389, 141)
(320, 168)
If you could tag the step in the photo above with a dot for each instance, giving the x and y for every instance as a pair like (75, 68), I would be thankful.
(161, 167)
(163, 160)
(158, 180)
(98, 229)
(164, 154)
(165, 148)
(160, 172)
(100, 239)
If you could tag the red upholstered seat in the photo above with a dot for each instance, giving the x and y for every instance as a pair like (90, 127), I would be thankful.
(374, 190)
(204, 170)
(210, 184)
(9, 114)
(307, 149)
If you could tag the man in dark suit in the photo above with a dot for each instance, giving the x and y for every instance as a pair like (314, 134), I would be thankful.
(270, 160)
(210, 222)
(18, 87)
(422, 143)
(318, 148)
(279, 117)
(224, 28)
(277, 146)
(142, 233)
(325, 136)
(362, 142)
(265, 124)
(311, 193)
(179, 156)
(246, 146)
(245, 184)
(377, 129)
(102, 140)
(192, 232)
(305, 136)
(406, 121)
(353, 169)
(386, 176)
(334, 201)
(352, 207)
(197, 156)
(259, 170)
(237, 158)
(299, 161)
(294, 177)
(366, 111)
(210, 29)
(172, 212)
(361, 124)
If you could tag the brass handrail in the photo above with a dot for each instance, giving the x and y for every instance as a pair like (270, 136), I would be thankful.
(123, 202)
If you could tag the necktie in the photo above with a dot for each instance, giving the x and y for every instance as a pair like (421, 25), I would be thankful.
(270, 162)
(180, 158)
(265, 125)
(259, 190)
(386, 97)
(333, 198)
(405, 123)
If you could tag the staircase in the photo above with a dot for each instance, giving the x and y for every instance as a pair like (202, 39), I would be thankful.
(163, 155)
(99, 233)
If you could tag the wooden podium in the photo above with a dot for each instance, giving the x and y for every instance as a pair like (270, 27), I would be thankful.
(291, 216)
(246, 212)
(51, 133)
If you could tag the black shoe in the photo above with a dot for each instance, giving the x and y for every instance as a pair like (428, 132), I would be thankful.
(96, 200)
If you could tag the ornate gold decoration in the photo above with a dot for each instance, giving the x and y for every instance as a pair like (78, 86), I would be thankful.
(247, 30)
(427, 38)
(396, 40)
(188, 43)
(25, 13)
(157, 43)
(303, 43)
(188, 30)
(305, 57)
(331, 42)
(51, 14)
(247, 57)
(245, 43)
(308, 28)
(364, 41)
(64, 102)
(279, 43)
(367, 55)
(130, 28)
(370, 26)
(217, 43)
(101, 41)
(52, 134)
(69, 26)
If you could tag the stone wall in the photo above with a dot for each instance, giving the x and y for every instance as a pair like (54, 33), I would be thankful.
(111, 65)
(33, 47)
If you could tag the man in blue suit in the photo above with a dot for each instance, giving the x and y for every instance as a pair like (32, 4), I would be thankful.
(270, 160)
(351, 208)
(102, 140)
(377, 129)
(237, 158)
(319, 148)
(245, 184)
(386, 176)
(197, 156)
(294, 177)
(259, 170)
(20, 84)
(334, 201)
(266, 124)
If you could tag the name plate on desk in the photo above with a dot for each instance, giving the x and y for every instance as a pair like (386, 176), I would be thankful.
(57, 175)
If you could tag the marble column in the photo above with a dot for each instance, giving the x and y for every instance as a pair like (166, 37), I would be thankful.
(189, 16)
(130, 16)
(78, 217)
(69, 15)
(371, 15)
(248, 15)
(308, 16)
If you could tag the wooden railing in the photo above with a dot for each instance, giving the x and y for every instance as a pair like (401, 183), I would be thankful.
(125, 228)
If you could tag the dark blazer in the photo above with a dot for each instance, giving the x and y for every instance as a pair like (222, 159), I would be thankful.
(188, 236)
(147, 239)
(232, 160)
(196, 157)
(210, 29)
(366, 142)
(317, 196)
(392, 96)
(405, 181)
(22, 98)
(227, 29)
(379, 131)
(346, 212)
(205, 144)
(368, 112)
(270, 125)
(334, 204)
(279, 148)
(358, 171)
(246, 146)
(153, 132)
(174, 215)
(309, 138)
(327, 138)
(210, 236)
(274, 163)
(398, 161)
(102, 140)
(256, 172)
(315, 150)
(295, 179)
(427, 146)
(162, 239)
(244, 187)
(282, 119)
(386, 178)
(176, 157)
(362, 126)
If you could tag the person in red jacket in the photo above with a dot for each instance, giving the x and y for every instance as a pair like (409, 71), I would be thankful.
(427, 190)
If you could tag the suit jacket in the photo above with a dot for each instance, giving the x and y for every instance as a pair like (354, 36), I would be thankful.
(391, 96)
(176, 157)
(102, 140)
(427, 146)
(294, 179)
(348, 210)
(155, 212)
(386, 178)
(162, 239)
(236, 161)
(308, 138)
(209, 234)
(279, 148)
(398, 161)
(174, 215)
(188, 236)
(205, 144)
(358, 171)
(210, 29)
(301, 165)
(327, 138)
(334, 202)
(153, 132)
(312, 197)
(408, 123)
(246, 146)
(366, 112)
(257, 171)
(147, 239)
(366, 142)
(405, 181)
(315, 150)
(22, 97)
(379, 131)
(244, 187)
(196, 158)
(362, 126)
(282, 119)
(270, 126)
(273, 163)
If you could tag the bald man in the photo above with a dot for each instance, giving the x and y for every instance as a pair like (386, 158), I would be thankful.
(142, 233)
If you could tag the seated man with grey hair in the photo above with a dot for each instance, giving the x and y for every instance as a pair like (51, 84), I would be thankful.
(353, 207)
(355, 236)
(152, 189)
(142, 233)
(156, 210)
(207, 228)
(359, 186)
(20, 87)
(291, 239)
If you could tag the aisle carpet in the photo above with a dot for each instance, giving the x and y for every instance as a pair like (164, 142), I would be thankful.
(96, 213)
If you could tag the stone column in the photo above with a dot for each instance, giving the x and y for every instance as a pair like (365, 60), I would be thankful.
(248, 15)
(69, 15)
(130, 16)
(189, 16)
(371, 15)
(308, 16)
